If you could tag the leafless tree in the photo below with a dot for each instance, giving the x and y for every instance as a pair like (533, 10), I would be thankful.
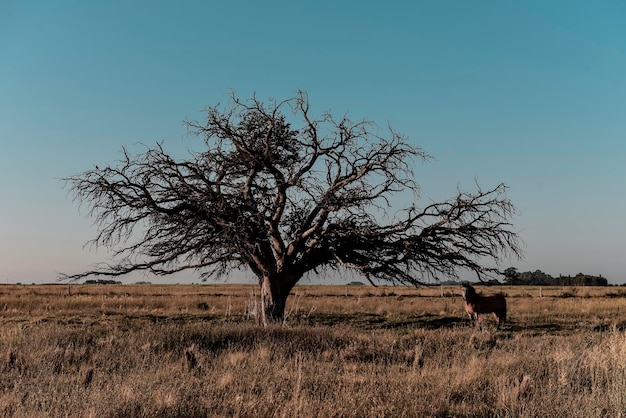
(282, 193)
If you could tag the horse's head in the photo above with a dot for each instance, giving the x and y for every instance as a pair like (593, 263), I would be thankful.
(468, 291)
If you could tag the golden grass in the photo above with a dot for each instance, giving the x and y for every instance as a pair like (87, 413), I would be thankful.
(192, 350)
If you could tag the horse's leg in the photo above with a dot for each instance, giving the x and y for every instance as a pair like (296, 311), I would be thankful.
(499, 318)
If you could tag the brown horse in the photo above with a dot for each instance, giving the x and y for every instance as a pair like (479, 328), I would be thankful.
(476, 304)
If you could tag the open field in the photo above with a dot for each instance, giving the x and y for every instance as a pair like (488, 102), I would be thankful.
(194, 350)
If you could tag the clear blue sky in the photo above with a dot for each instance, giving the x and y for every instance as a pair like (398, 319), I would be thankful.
(532, 94)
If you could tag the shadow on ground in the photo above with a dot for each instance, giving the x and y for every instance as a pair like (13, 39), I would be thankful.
(369, 321)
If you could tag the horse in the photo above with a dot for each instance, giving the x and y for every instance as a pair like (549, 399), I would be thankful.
(476, 304)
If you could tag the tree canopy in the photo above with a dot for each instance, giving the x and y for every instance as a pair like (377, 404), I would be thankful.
(282, 193)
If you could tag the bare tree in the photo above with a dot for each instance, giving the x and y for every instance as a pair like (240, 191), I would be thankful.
(282, 193)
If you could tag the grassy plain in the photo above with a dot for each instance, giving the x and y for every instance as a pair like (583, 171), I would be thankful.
(194, 350)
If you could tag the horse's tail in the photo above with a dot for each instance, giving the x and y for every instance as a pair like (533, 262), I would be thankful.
(503, 310)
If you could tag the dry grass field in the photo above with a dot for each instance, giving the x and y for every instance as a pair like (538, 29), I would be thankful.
(195, 351)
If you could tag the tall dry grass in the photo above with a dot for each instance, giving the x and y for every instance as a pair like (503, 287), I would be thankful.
(190, 351)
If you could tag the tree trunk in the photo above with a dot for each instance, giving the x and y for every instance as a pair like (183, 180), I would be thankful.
(274, 294)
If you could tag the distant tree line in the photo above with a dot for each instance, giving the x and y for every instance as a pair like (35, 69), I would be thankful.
(538, 277)
(102, 281)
